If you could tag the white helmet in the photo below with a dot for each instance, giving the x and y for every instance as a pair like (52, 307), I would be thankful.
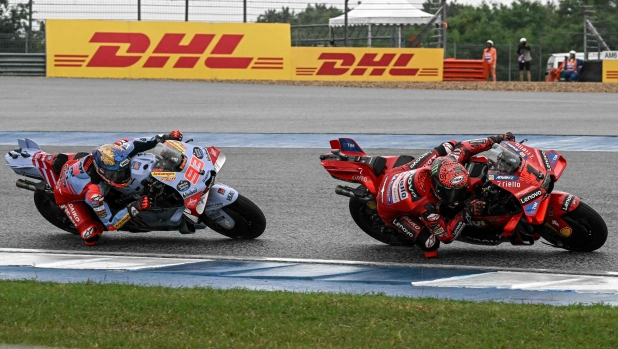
(522, 40)
(572, 52)
(490, 42)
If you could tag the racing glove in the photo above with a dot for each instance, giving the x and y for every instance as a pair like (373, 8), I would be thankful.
(474, 208)
(175, 135)
(142, 204)
(509, 136)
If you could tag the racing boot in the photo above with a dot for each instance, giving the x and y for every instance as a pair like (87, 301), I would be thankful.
(91, 235)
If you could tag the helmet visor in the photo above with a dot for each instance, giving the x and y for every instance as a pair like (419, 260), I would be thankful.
(450, 195)
(119, 178)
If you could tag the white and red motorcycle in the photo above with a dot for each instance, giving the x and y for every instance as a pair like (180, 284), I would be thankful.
(179, 178)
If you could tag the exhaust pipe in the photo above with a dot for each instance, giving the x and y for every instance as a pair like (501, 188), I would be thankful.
(345, 191)
(24, 184)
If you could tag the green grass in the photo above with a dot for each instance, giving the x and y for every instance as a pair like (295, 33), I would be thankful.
(124, 316)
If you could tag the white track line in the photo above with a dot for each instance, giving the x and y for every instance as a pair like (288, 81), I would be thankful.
(310, 261)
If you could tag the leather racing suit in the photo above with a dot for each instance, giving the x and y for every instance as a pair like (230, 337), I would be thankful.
(80, 189)
(406, 200)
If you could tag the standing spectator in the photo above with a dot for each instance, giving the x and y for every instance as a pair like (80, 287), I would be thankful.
(490, 57)
(524, 59)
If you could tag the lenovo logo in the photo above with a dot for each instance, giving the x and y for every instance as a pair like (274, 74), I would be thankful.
(393, 64)
(218, 51)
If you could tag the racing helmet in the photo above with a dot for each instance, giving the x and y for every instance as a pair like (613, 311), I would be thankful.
(113, 165)
(449, 180)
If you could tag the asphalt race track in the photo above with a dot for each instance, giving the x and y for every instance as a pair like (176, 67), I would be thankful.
(45, 104)
(305, 217)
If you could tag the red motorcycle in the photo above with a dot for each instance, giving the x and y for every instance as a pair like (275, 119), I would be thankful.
(516, 182)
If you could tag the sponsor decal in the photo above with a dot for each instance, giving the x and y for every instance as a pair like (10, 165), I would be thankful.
(164, 50)
(567, 203)
(412, 188)
(163, 174)
(433, 217)
(477, 141)
(437, 231)
(389, 192)
(566, 232)
(412, 223)
(553, 158)
(125, 163)
(230, 196)
(403, 194)
(195, 170)
(530, 196)
(73, 214)
(532, 207)
(546, 162)
(510, 184)
(49, 158)
(88, 233)
(554, 222)
(430, 241)
(522, 148)
(458, 229)
(183, 185)
(177, 145)
(503, 177)
(192, 202)
(198, 153)
(189, 193)
(516, 150)
(359, 178)
(350, 64)
(419, 160)
(403, 228)
(457, 180)
(136, 165)
(122, 221)
(221, 191)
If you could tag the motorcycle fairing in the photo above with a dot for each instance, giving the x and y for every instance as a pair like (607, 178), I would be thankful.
(30, 161)
(347, 146)
(560, 204)
(219, 196)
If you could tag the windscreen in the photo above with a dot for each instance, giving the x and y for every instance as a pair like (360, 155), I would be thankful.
(168, 158)
(504, 160)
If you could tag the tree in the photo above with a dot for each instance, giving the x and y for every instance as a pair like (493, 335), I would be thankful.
(318, 14)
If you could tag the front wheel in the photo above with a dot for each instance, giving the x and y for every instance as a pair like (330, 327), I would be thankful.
(588, 230)
(249, 220)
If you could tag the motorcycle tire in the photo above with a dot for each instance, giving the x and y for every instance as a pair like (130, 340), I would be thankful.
(52, 213)
(589, 231)
(250, 221)
(363, 216)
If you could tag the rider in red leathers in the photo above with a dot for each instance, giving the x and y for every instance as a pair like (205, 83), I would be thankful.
(83, 184)
(413, 197)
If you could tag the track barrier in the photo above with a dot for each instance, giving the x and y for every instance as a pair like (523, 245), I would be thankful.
(465, 70)
(22, 64)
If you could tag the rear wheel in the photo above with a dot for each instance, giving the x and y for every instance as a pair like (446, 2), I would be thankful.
(368, 220)
(249, 220)
(47, 207)
(588, 230)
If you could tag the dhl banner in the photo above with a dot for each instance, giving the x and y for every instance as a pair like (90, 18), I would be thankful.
(168, 50)
(610, 71)
(367, 64)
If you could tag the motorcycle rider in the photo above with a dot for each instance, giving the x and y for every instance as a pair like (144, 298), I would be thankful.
(415, 197)
(84, 183)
